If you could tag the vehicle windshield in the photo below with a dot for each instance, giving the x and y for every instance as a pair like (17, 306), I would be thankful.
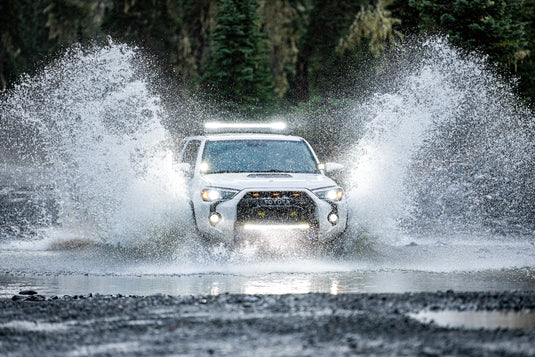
(246, 155)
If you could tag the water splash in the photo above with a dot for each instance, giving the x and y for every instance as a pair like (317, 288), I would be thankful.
(447, 148)
(92, 125)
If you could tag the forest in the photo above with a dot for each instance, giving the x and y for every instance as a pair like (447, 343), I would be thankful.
(260, 55)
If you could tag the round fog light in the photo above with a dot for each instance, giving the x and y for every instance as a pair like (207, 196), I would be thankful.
(333, 218)
(215, 218)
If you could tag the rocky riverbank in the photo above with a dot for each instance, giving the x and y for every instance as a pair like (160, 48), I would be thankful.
(259, 325)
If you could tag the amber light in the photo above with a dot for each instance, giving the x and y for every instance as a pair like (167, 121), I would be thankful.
(210, 195)
(269, 227)
(334, 195)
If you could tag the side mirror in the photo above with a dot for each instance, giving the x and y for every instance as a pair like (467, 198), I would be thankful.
(333, 167)
(185, 169)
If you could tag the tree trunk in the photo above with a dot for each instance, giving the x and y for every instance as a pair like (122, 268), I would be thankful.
(301, 80)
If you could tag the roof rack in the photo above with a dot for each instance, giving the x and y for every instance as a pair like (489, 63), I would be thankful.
(223, 127)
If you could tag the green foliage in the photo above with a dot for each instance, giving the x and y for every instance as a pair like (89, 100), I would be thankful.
(374, 24)
(10, 18)
(408, 16)
(146, 22)
(278, 20)
(176, 32)
(23, 43)
(237, 72)
(253, 54)
(70, 21)
(492, 27)
(326, 23)
(526, 66)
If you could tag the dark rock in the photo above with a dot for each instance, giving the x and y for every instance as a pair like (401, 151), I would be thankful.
(28, 292)
(35, 298)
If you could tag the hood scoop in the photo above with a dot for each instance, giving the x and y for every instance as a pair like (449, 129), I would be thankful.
(269, 175)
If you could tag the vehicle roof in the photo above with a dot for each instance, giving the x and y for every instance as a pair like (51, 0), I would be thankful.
(246, 136)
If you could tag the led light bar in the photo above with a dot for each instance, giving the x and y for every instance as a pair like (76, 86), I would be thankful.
(241, 126)
(269, 227)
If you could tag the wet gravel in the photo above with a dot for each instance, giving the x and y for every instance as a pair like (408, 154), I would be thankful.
(259, 325)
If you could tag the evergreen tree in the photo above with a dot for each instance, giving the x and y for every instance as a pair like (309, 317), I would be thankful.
(24, 40)
(526, 66)
(10, 18)
(493, 27)
(237, 72)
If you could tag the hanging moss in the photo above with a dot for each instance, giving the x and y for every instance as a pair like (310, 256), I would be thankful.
(373, 25)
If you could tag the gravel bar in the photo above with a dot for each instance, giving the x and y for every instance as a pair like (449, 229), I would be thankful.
(256, 325)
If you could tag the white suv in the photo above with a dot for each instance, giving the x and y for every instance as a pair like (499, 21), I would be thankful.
(249, 185)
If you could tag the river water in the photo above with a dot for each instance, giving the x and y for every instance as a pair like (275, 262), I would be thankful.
(439, 179)
(55, 261)
(485, 265)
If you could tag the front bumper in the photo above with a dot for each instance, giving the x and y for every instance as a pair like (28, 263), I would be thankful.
(273, 212)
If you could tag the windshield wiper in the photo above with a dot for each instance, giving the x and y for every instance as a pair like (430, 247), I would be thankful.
(223, 172)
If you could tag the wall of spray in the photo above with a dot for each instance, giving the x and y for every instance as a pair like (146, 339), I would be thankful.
(442, 146)
(447, 148)
(92, 123)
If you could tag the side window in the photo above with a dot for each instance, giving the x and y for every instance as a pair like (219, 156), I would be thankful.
(190, 153)
(180, 150)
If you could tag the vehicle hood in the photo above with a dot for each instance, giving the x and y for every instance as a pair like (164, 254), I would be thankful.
(277, 181)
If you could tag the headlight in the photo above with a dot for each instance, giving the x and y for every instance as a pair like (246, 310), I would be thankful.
(217, 194)
(331, 194)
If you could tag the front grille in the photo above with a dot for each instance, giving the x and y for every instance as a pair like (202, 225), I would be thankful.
(276, 207)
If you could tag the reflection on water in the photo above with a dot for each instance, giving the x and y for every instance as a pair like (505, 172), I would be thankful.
(391, 281)
(478, 319)
(482, 265)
